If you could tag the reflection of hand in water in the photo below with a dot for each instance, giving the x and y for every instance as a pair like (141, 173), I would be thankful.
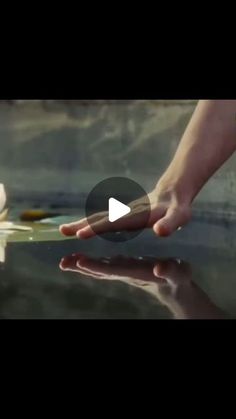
(181, 295)
(170, 282)
(137, 272)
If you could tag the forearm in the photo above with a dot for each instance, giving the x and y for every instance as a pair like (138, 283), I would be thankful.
(209, 140)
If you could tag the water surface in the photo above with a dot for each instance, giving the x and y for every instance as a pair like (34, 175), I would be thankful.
(45, 276)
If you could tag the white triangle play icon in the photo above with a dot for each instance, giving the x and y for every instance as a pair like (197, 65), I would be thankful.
(117, 210)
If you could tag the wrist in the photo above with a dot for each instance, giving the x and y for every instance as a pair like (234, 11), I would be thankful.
(176, 188)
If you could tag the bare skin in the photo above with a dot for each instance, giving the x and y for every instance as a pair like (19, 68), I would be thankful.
(169, 281)
(209, 140)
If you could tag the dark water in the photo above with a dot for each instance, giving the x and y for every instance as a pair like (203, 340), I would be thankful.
(99, 279)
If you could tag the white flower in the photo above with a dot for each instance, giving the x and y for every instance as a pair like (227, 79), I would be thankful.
(3, 197)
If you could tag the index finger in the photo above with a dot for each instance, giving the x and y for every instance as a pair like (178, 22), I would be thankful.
(132, 221)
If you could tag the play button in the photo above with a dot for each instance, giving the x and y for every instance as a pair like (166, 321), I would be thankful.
(112, 200)
(117, 210)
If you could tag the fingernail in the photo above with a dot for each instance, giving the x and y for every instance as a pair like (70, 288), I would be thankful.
(79, 264)
(158, 272)
(62, 264)
(155, 271)
(79, 234)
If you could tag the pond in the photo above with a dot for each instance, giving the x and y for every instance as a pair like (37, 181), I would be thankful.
(43, 275)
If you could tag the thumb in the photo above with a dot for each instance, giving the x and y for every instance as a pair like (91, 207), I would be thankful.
(175, 217)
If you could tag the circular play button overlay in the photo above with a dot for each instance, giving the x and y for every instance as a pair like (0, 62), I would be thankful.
(118, 209)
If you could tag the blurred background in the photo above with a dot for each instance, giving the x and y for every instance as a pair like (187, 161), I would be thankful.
(54, 152)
